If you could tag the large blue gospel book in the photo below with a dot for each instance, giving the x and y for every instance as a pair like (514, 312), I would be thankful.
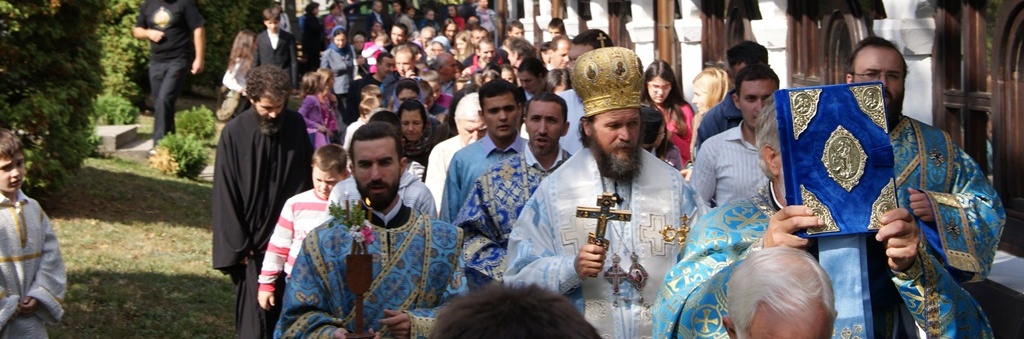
(836, 155)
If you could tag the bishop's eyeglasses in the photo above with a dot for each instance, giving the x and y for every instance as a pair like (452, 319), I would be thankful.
(876, 76)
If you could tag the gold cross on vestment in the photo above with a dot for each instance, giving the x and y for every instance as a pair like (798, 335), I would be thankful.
(603, 213)
(707, 320)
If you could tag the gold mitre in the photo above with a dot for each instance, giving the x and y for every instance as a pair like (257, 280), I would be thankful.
(607, 79)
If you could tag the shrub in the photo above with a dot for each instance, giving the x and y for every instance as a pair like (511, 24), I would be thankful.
(124, 58)
(181, 155)
(196, 122)
(48, 83)
(115, 110)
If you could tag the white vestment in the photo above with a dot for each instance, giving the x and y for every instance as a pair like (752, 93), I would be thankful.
(30, 266)
(548, 235)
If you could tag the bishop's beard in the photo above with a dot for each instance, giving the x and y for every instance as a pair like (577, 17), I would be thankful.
(268, 125)
(623, 163)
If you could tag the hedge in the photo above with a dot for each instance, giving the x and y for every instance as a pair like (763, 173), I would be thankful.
(48, 81)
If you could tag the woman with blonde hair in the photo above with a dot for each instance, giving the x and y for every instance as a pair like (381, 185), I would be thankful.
(709, 88)
(464, 46)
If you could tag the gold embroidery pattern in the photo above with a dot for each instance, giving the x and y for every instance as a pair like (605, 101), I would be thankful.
(936, 157)
(804, 105)
(844, 158)
(932, 313)
(945, 199)
(389, 263)
(963, 260)
(885, 202)
(872, 103)
(819, 209)
(848, 333)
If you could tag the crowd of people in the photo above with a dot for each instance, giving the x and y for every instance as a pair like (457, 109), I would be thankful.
(476, 160)
(477, 163)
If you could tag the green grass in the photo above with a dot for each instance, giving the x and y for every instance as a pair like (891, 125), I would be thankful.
(137, 246)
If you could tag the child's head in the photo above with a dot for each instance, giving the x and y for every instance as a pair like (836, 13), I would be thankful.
(340, 37)
(434, 80)
(328, 80)
(242, 49)
(381, 39)
(272, 19)
(427, 93)
(429, 14)
(311, 84)
(371, 95)
(508, 73)
(12, 164)
(556, 27)
(328, 169)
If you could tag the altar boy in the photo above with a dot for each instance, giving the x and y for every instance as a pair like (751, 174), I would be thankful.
(32, 277)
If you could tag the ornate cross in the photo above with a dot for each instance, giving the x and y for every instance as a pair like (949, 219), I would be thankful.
(603, 213)
(601, 38)
(677, 235)
(615, 274)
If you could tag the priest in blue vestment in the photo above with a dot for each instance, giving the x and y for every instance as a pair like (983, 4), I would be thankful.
(500, 193)
(642, 202)
(954, 215)
(501, 114)
(417, 262)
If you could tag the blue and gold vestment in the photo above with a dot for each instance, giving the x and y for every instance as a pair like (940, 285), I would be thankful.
(494, 203)
(416, 269)
(691, 302)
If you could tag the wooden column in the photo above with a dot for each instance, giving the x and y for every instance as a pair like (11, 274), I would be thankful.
(712, 38)
(664, 33)
(501, 8)
(556, 10)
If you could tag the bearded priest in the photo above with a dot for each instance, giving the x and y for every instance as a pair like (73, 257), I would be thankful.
(607, 259)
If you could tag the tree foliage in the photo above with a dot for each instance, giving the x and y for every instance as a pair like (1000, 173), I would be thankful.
(48, 81)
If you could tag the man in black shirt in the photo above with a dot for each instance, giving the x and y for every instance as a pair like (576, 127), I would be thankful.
(175, 32)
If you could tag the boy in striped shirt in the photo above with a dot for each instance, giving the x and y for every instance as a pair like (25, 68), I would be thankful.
(300, 215)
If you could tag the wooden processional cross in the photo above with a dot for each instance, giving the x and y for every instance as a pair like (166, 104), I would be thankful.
(603, 213)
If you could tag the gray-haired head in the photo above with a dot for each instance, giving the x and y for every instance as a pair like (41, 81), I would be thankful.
(766, 133)
(781, 283)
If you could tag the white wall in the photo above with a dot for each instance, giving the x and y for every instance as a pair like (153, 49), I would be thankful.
(910, 24)
(770, 32)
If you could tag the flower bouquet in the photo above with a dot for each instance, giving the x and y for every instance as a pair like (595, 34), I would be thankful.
(358, 263)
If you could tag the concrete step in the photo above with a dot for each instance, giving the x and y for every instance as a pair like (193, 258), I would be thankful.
(113, 137)
(207, 174)
(137, 150)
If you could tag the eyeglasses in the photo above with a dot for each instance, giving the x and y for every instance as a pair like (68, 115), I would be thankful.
(652, 86)
(875, 76)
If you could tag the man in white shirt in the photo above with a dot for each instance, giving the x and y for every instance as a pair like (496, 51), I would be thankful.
(726, 169)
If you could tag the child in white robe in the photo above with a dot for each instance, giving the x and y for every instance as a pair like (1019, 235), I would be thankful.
(32, 277)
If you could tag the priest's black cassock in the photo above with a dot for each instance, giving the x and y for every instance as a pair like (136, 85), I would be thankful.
(253, 176)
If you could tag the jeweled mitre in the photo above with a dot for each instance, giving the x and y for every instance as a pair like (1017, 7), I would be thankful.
(608, 79)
